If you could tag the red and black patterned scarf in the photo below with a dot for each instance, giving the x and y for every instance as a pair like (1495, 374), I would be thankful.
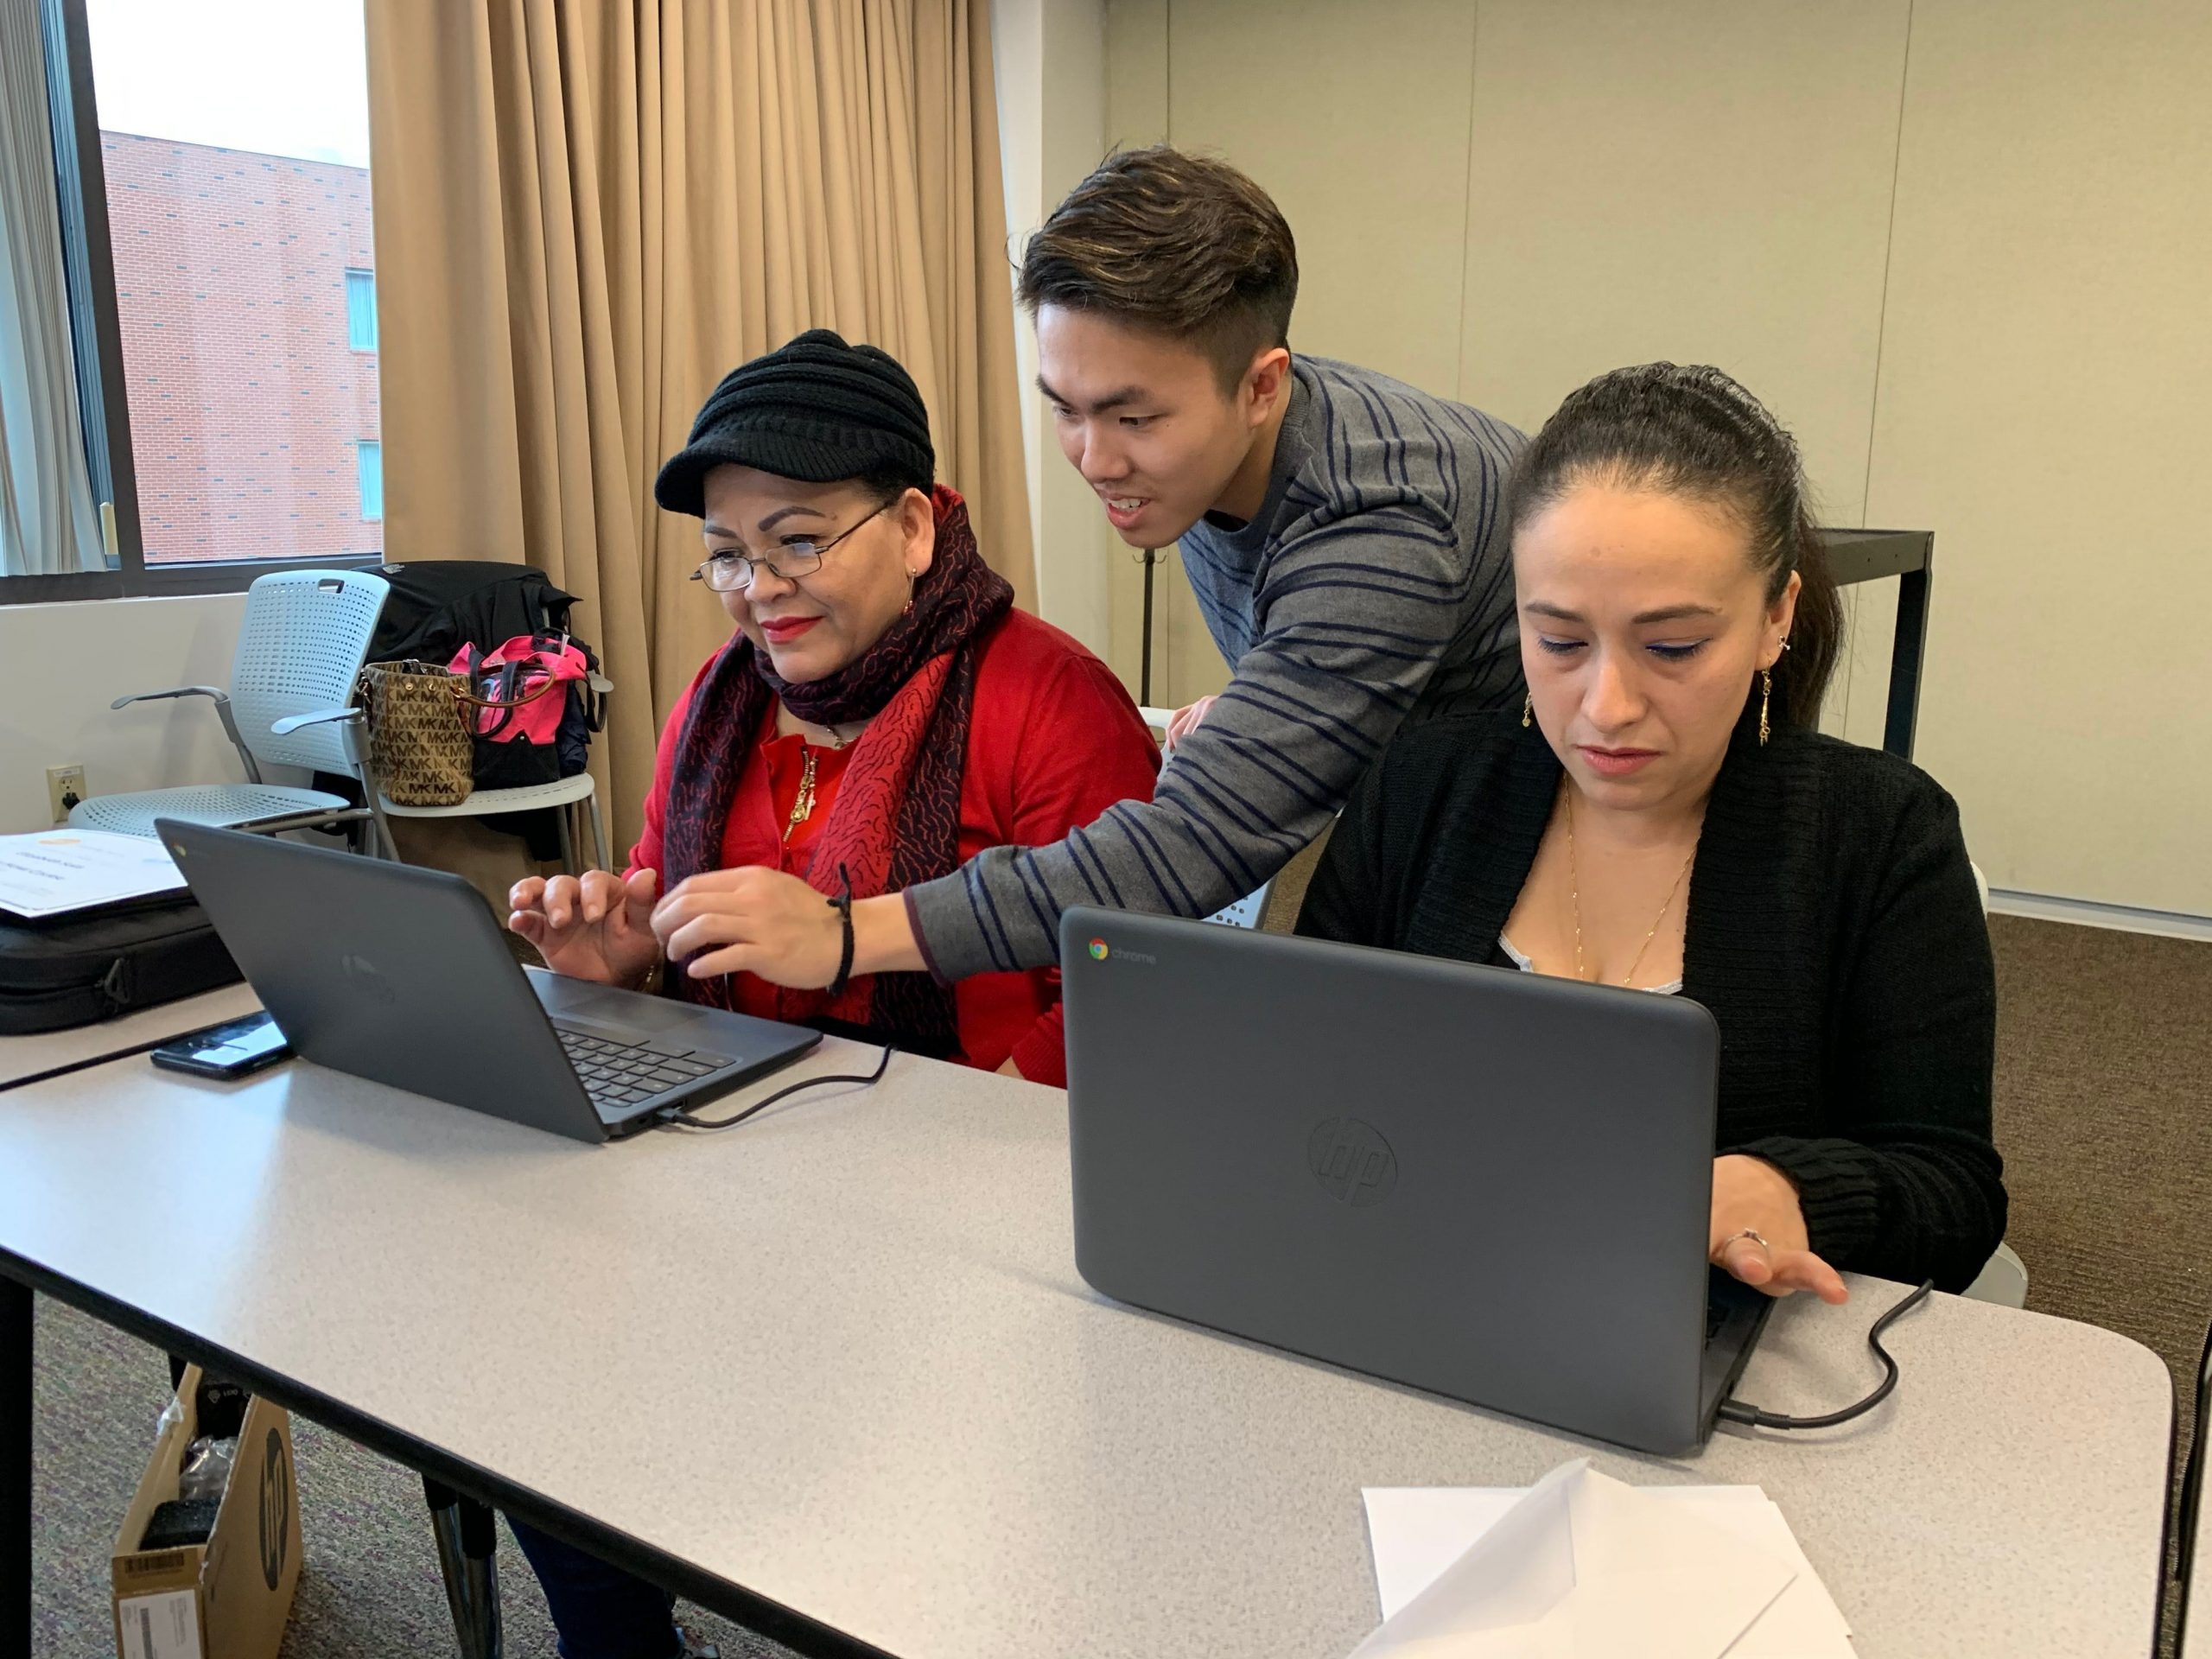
(896, 820)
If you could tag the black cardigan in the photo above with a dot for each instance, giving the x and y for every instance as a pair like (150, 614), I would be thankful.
(1833, 931)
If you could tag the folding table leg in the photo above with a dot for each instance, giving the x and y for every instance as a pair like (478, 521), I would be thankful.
(599, 836)
(467, 1557)
(15, 1466)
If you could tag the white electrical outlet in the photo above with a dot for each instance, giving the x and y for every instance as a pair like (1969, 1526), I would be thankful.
(65, 787)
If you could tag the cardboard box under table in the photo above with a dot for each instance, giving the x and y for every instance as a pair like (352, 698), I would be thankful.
(228, 1598)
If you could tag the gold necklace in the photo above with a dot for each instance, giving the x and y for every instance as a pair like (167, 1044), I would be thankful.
(1574, 898)
(803, 806)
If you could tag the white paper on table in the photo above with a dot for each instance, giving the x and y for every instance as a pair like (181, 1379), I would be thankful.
(1418, 1531)
(1582, 1567)
(56, 871)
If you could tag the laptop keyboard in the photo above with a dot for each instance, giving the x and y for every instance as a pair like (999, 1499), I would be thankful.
(620, 1074)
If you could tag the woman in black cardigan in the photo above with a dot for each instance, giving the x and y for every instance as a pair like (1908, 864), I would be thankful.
(1662, 815)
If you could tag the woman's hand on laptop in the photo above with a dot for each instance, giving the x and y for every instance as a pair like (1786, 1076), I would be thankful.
(1751, 1196)
(597, 927)
(752, 920)
(756, 920)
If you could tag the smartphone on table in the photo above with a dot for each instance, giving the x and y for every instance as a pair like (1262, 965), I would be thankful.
(236, 1048)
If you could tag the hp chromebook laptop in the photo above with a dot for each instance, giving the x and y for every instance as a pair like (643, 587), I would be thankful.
(1492, 1185)
(402, 975)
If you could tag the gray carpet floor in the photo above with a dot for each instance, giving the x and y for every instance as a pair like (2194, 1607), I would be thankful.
(369, 1585)
(2104, 1113)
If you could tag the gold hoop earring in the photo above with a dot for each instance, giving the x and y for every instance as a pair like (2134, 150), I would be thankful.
(1528, 706)
(1766, 696)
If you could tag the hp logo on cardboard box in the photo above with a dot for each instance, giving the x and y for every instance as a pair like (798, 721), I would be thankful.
(276, 1518)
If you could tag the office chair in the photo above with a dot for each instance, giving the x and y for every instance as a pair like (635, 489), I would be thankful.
(575, 796)
(571, 797)
(301, 648)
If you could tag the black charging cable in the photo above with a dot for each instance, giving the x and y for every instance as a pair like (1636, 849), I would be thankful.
(1735, 1411)
(678, 1118)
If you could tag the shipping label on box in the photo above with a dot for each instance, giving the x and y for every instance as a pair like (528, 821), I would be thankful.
(165, 1625)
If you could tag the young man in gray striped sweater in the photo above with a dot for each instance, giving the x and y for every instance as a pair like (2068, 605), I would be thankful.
(1341, 532)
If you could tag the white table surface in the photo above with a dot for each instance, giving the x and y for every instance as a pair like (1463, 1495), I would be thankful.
(840, 1356)
(23, 1057)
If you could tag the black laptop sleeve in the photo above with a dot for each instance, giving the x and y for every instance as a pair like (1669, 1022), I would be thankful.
(77, 969)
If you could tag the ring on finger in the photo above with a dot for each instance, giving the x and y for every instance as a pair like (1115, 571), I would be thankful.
(1751, 1233)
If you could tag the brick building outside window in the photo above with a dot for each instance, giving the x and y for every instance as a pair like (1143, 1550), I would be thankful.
(245, 292)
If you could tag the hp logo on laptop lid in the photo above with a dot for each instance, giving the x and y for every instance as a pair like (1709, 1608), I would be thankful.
(1352, 1161)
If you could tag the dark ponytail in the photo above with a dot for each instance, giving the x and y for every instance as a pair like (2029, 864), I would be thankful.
(1694, 432)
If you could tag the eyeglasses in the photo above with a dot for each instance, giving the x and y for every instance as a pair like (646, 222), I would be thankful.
(729, 572)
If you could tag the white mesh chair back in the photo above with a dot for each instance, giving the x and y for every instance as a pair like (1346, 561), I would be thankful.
(1245, 912)
(301, 649)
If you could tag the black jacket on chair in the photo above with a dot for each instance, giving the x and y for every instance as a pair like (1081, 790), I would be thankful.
(1834, 932)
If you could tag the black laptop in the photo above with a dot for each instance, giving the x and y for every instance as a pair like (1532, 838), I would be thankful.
(1492, 1185)
(402, 975)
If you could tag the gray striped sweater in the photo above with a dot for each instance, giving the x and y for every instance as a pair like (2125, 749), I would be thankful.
(1373, 585)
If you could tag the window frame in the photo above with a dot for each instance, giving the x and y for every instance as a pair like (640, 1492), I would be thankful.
(96, 331)
(361, 448)
(369, 279)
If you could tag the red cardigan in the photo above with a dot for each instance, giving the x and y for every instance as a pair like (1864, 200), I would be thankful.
(1054, 741)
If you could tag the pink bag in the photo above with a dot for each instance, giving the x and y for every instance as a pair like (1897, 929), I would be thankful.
(533, 709)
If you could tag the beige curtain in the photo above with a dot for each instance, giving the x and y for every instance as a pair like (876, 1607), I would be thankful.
(49, 525)
(588, 211)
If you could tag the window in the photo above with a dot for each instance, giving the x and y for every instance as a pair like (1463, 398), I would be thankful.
(217, 233)
(361, 310)
(368, 466)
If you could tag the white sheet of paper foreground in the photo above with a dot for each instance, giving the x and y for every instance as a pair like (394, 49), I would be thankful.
(1418, 1531)
(1582, 1565)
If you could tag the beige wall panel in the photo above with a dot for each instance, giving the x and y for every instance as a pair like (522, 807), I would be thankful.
(1707, 180)
(1050, 57)
(65, 663)
(1858, 697)
(1136, 73)
(1136, 114)
(1355, 118)
(2042, 408)
(1704, 181)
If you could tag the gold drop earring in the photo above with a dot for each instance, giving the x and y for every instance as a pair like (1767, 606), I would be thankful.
(1766, 697)
(1528, 706)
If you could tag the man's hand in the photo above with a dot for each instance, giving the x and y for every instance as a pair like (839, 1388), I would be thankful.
(1187, 720)
(1750, 1194)
(595, 927)
(753, 920)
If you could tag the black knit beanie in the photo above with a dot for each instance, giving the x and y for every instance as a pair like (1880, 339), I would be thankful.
(816, 409)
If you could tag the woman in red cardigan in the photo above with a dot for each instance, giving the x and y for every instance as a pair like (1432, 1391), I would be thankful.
(881, 714)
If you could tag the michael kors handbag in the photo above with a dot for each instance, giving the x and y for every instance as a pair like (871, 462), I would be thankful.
(418, 734)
